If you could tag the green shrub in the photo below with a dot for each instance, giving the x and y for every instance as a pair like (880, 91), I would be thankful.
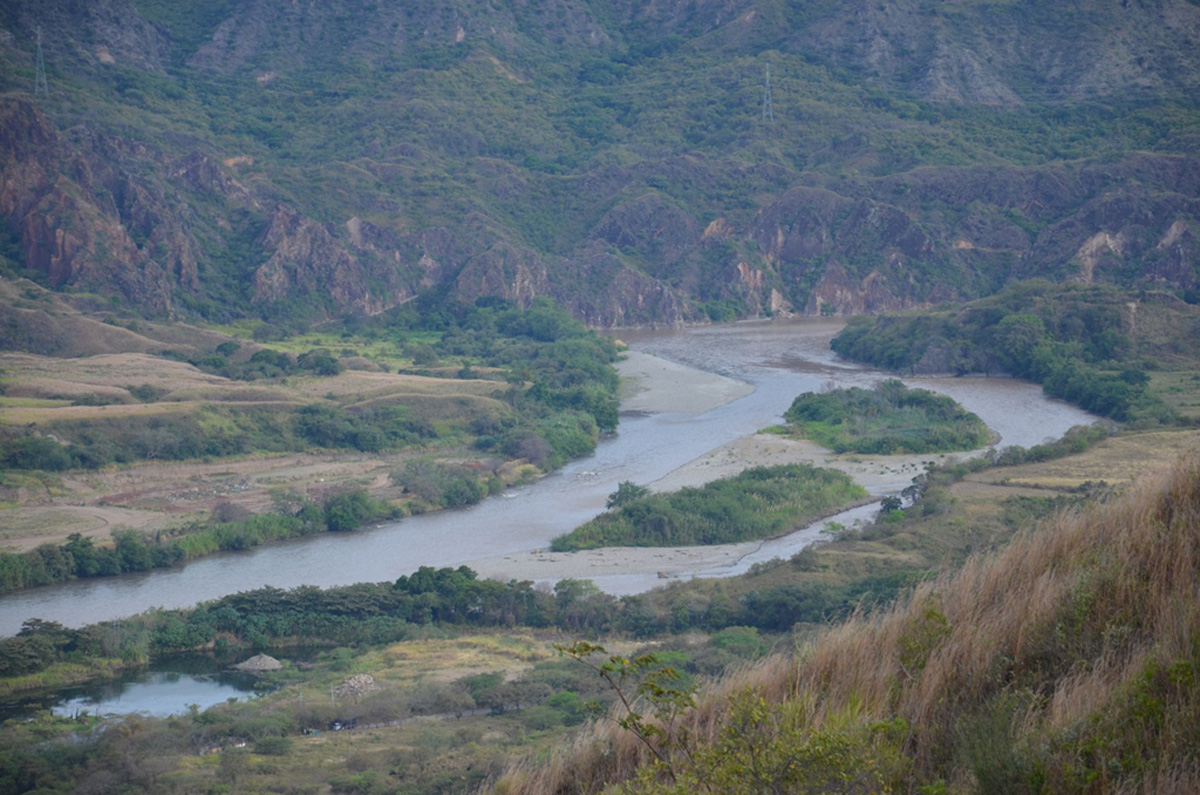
(889, 419)
(352, 509)
(758, 503)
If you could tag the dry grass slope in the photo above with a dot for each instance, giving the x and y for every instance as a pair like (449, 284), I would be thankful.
(1067, 662)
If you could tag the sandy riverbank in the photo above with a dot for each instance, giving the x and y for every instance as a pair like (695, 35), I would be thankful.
(653, 385)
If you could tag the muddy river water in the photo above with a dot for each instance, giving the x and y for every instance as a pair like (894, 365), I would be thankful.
(778, 360)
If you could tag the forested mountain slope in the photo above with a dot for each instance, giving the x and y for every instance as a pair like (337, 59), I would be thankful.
(313, 159)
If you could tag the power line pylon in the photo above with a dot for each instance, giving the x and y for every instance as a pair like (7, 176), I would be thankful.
(768, 111)
(40, 86)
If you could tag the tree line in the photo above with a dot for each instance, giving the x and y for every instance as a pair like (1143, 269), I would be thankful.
(80, 557)
(375, 613)
(1072, 339)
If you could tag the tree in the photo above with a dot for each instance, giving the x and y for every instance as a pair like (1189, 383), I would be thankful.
(320, 361)
(644, 681)
(348, 510)
(627, 491)
(133, 553)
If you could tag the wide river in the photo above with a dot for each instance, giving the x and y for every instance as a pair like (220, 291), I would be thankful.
(778, 360)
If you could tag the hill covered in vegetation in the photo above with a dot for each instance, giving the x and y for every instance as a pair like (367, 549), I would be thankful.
(1123, 355)
(635, 162)
(1063, 663)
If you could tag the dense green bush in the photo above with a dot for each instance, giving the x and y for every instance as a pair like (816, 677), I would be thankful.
(760, 502)
(443, 485)
(889, 419)
(350, 510)
(1068, 338)
(78, 557)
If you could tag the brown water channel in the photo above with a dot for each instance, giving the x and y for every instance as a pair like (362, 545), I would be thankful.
(779, 359)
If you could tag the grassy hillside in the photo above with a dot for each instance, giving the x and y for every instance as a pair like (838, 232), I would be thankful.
(1063, 663)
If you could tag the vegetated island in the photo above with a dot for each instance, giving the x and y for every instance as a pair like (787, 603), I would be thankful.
(758, 503)
(886, 420)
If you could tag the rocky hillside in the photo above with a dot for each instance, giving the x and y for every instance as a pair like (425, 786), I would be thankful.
(326, 158)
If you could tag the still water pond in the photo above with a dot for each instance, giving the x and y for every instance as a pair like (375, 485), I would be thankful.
(778, 359)
(170, 686)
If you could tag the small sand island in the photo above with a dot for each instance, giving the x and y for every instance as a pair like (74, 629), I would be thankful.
(259, 663)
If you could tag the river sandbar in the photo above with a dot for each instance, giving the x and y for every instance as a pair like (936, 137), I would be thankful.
(655, 385)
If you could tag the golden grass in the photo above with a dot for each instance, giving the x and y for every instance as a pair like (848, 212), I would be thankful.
(452, 659)
(31, 403)
(1075, 615)
(26, 416)
(102, 370)
(1179, 389)
(1119, 459)
(365, 385)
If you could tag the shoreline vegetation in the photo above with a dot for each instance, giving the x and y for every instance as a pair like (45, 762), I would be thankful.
(425, 483)
(48, 655)
(1086, 344)
(649, 383)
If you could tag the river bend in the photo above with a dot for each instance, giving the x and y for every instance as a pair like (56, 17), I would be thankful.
(778, 360)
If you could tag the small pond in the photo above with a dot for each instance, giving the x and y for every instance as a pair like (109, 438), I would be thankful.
(168, 687)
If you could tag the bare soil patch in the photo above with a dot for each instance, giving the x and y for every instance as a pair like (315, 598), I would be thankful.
(26, 528)
(876, 473)
(651, 384)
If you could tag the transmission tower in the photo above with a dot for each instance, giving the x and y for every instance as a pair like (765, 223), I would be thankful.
(768, 111)
(39, 80)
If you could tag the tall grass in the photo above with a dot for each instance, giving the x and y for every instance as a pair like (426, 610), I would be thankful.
(1067, 662)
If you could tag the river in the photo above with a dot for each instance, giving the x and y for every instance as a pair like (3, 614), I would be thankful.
(778, 360)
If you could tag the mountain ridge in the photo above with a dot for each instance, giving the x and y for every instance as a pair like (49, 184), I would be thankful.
(329, 159)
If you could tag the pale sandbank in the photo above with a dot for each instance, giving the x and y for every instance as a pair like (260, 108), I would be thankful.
(657, 386)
